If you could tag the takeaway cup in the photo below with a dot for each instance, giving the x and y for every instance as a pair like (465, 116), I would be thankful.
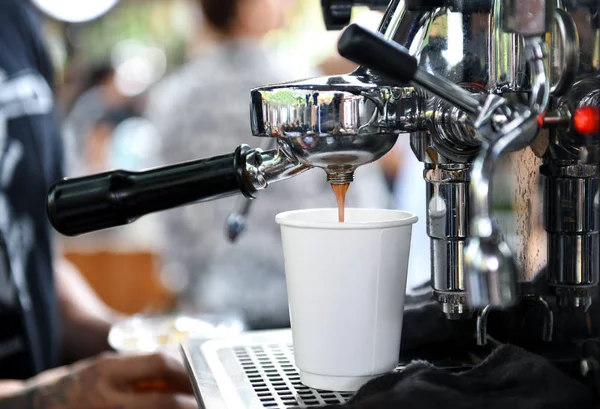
(346, 284)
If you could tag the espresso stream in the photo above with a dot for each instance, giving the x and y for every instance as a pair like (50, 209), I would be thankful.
(340, 195)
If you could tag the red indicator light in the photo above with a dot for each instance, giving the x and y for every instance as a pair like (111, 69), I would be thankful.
(586, 120)
(540, 119)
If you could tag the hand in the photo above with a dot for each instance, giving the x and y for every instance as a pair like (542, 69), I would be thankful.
(109, 382)
(86, 319)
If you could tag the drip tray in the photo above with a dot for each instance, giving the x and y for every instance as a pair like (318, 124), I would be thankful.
(251, 371)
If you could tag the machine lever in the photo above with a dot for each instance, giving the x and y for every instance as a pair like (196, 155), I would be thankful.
(372, 50)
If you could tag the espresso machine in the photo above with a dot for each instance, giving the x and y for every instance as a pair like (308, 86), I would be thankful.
(500, 101)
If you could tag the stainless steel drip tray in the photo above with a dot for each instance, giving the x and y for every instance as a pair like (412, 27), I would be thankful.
(251, 371)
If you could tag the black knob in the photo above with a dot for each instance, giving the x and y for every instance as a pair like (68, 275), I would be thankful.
(336, 13)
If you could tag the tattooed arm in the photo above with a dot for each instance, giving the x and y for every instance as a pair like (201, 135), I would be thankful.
(86, 319)
(106, 382)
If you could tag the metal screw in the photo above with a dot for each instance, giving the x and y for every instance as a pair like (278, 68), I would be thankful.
(262, 182)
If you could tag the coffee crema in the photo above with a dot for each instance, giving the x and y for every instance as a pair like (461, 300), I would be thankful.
(340, 191)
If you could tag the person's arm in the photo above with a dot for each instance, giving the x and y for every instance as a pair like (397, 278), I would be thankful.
(108, 381)
(86, 319)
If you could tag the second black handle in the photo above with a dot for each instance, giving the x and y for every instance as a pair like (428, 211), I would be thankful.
(388, 58)
(372, 50)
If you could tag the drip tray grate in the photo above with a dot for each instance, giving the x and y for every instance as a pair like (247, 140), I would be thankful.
(276, 381)
(251, 371)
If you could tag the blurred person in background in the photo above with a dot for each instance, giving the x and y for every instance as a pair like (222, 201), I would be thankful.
(202, 110)
(85, 117)
(89, 125)
(49, 316)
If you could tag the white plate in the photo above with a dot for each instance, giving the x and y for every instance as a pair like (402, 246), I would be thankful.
(165, 333)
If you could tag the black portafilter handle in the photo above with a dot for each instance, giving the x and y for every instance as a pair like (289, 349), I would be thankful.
(389, 59)
(90, 203)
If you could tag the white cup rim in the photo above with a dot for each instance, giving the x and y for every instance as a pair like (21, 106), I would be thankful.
(397, 218)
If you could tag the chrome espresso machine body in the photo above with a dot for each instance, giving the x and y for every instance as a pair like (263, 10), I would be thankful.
(499, 94)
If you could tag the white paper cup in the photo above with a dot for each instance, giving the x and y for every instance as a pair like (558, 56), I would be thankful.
(346, 284)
